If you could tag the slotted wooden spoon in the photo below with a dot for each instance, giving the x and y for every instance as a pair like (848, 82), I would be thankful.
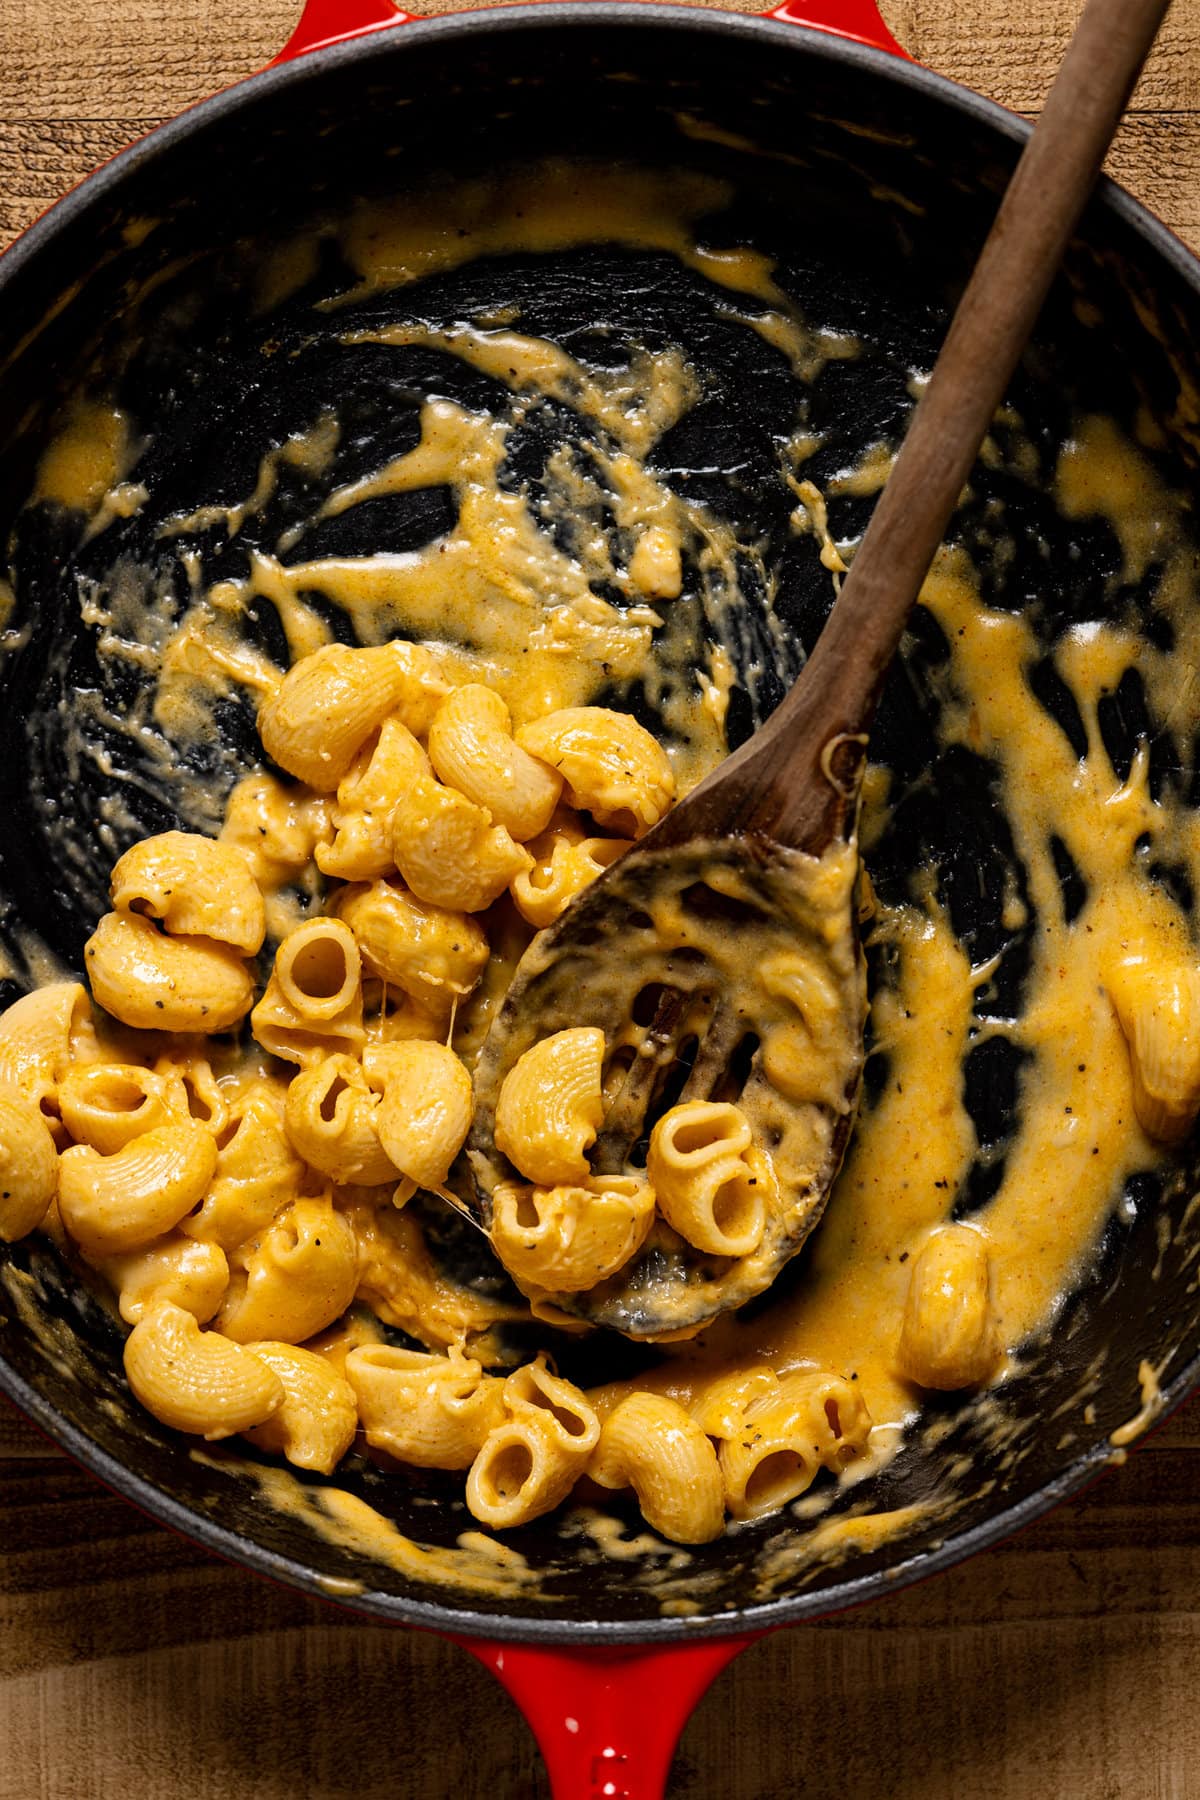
(666, 952)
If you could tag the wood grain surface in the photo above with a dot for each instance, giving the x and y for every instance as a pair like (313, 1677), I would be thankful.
(1064, 1663)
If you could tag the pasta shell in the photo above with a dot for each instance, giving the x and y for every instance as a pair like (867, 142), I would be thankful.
(196, 887)
(612, 766)
(550, 1106)
(155, 982)
(426, 1110)
(329, 703)
(197, 1381)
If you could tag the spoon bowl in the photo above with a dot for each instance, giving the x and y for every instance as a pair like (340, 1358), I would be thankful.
(723, 970)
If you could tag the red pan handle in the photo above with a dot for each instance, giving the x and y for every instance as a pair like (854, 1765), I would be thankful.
(607, 1722)
(334, 21)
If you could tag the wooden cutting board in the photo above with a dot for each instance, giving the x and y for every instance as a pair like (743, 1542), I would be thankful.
(1064, 1664)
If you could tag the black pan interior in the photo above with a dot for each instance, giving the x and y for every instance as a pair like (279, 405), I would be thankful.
(872, 186)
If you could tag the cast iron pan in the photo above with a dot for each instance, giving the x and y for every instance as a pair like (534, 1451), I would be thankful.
(873, 185)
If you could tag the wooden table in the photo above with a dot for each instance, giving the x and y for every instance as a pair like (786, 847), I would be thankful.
(1064, 1663)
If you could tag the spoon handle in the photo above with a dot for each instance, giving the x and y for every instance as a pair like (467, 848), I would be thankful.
(782, 777)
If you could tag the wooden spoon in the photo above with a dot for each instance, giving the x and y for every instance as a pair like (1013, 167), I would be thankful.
(720, 955)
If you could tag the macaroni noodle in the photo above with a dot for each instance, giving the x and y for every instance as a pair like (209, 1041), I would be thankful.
(197, 1381)
(472, 748)
(611, 765)
(28, 1166)
(550, 1106)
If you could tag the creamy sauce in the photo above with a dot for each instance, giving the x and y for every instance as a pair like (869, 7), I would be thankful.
(86, 460)
(477, 1562)
(1147, 1413)
(564, 206)
(499, 598)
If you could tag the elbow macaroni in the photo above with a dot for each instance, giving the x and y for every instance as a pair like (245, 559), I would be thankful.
(528, 1464)
(192, 1090)
(293, 1281)
(39, 1034)
(551, 1105)
(569, 1238)
(109, 1204)
(277, 828)
(197, 1381)
(781, 1436)
(315, 1424)
(105, 1105)
(564, 863)
(433, 1411)
(948, 1336)
(434, 956)
(366, 801)
(1158, 1009)
(330, 702)
(257, 1174)
(313, 1003)
(449, 851)
(710, 1182)
(426, 1108)
(649, 1443)
(195, 887)
(156, 982)
(190, 1274)
(611, 765)
(28, 1166)
(472, 749)
(332, 1118)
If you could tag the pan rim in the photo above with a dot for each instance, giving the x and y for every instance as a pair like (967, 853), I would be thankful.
(578, 1634)
(558, 1631)
(573, 15)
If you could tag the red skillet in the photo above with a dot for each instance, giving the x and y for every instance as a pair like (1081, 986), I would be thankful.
(605, 1682)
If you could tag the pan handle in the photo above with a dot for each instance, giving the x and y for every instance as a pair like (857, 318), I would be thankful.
(859, 20)
(326, 22)
(607, 1722)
